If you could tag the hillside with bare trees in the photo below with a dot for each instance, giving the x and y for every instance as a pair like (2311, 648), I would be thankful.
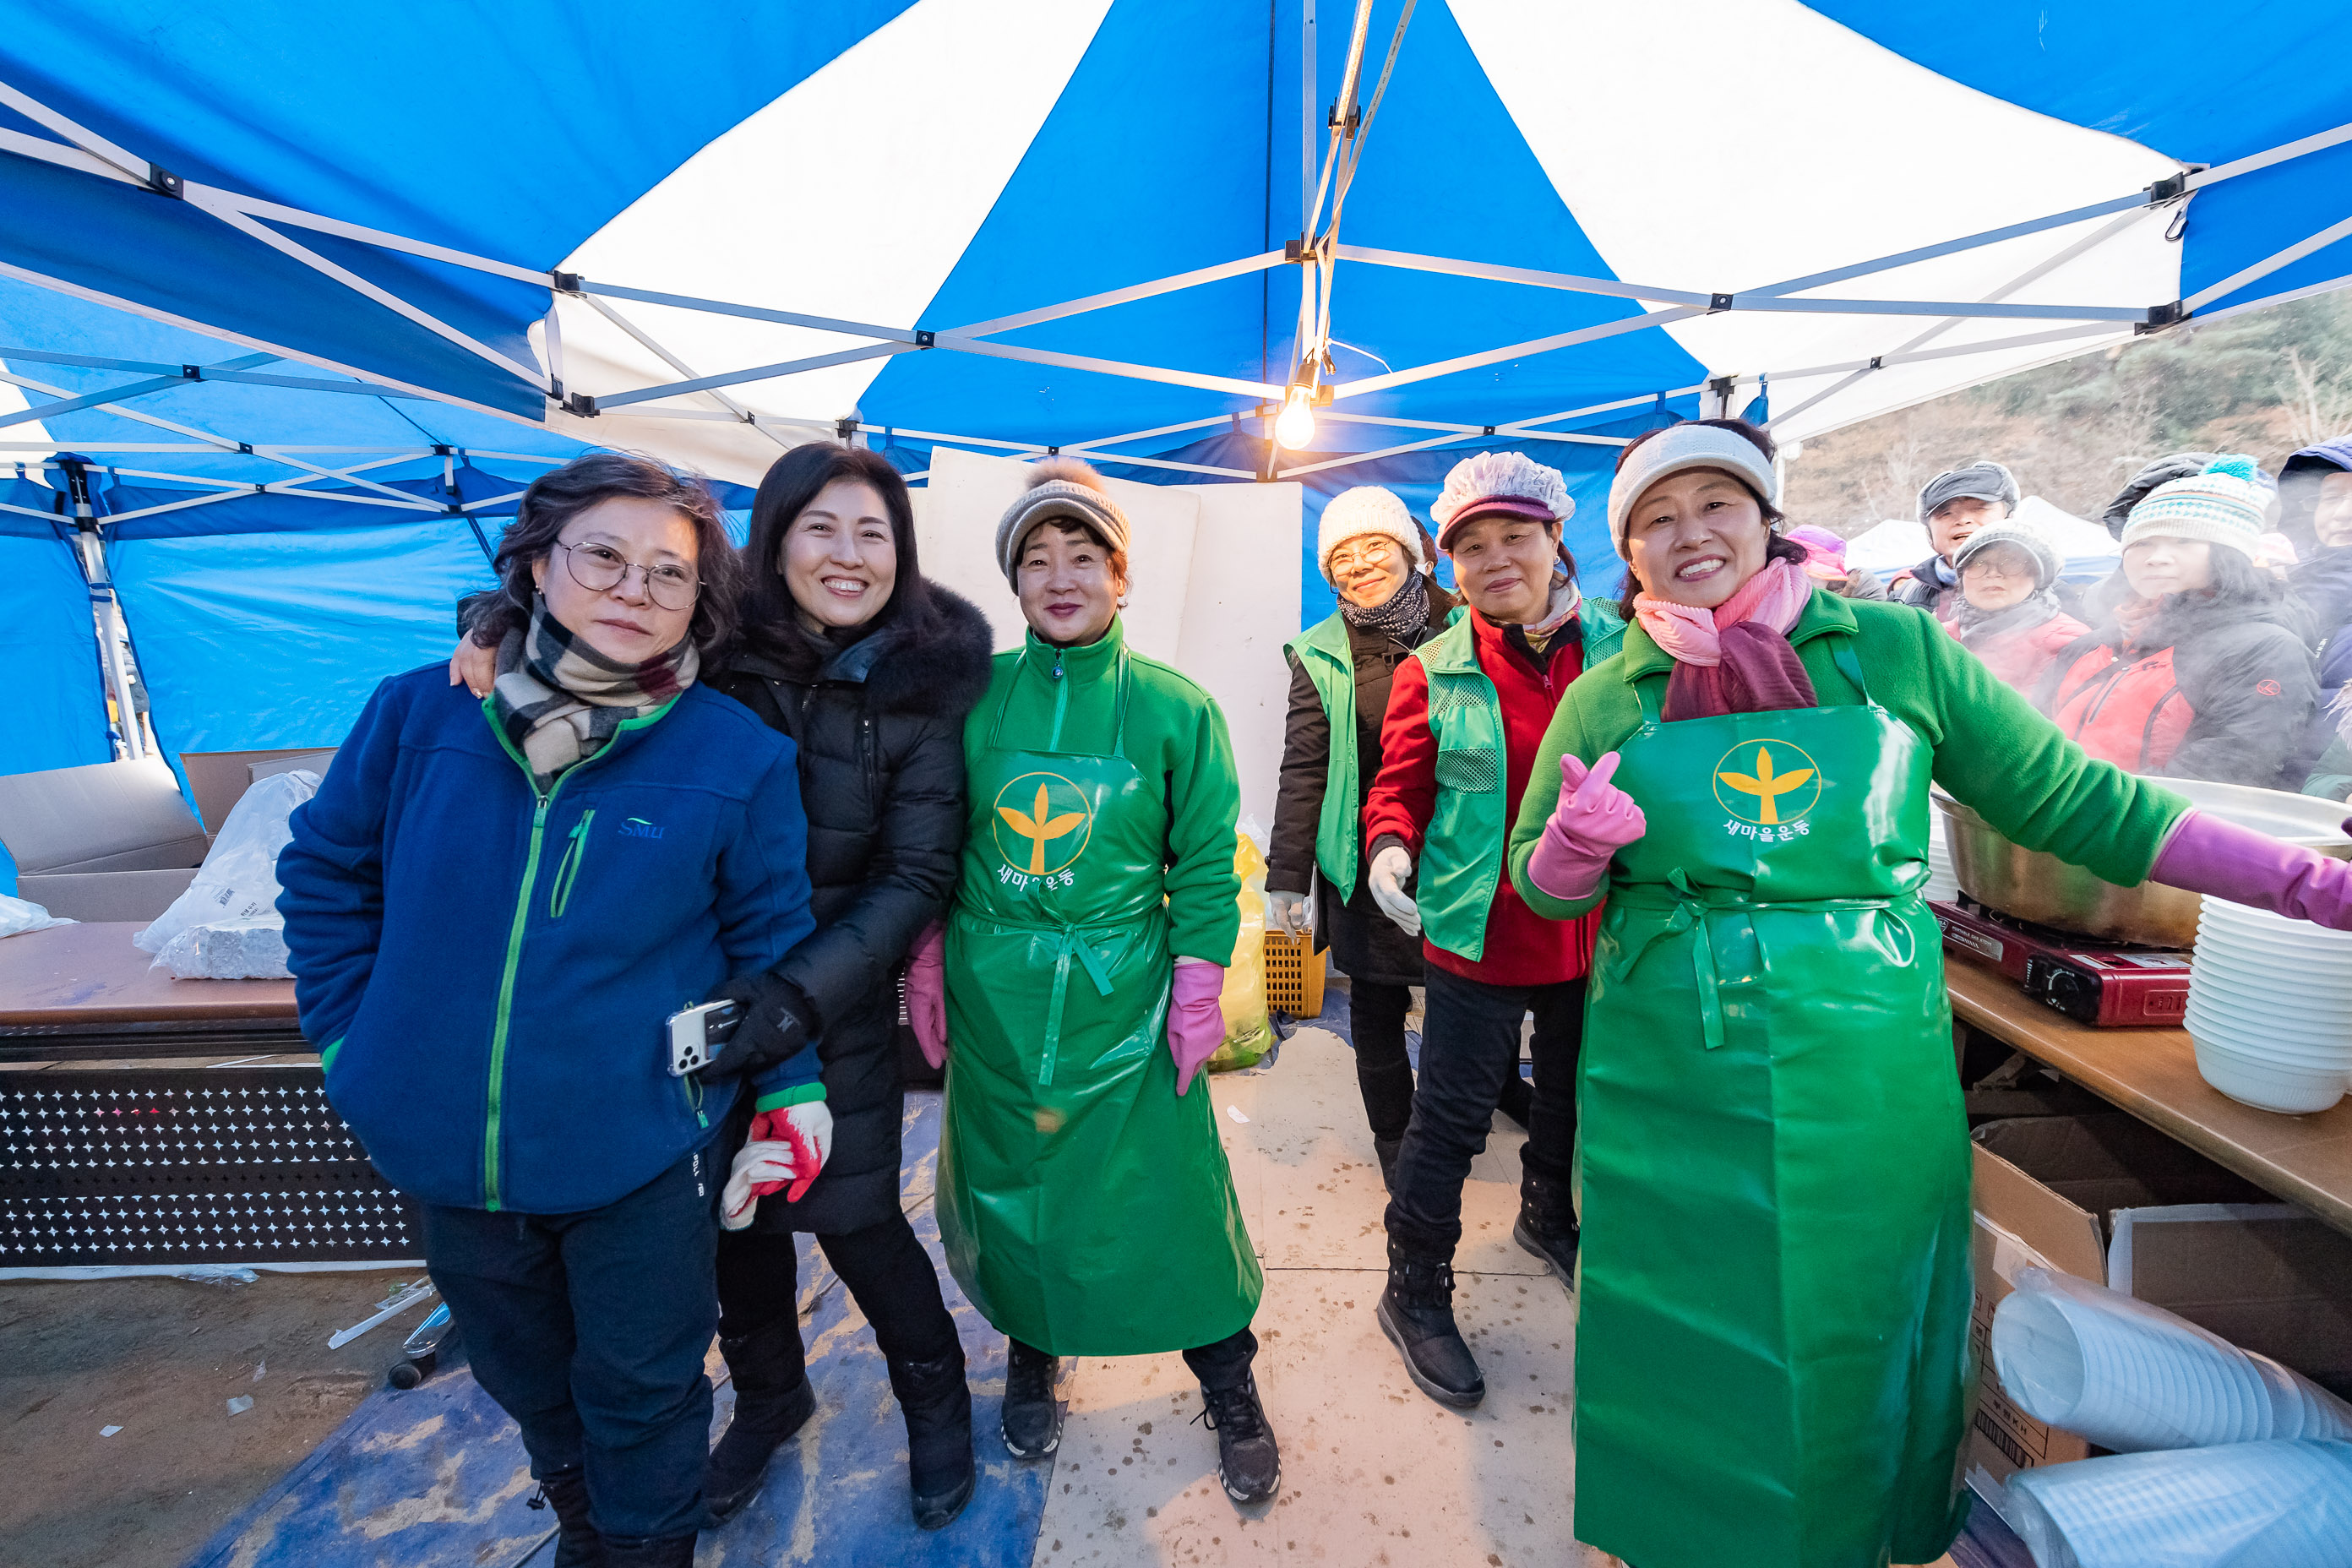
(2265, 384)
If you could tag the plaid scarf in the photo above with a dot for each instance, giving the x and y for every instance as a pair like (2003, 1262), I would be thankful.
(558, 701)
(1398, 617)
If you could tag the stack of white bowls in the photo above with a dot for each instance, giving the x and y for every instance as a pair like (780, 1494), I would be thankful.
(2270, 1007)
(1943, 883)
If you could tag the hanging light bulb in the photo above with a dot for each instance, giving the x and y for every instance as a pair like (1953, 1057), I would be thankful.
(1293, 428)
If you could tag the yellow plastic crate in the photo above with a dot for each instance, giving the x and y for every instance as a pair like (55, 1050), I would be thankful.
(1293, 976)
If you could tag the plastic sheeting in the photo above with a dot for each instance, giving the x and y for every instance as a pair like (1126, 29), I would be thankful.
(274, 641)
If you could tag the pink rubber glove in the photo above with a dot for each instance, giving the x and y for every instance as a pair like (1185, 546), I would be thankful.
(1196, 1025)
(927, 993)
(1594, 820)
(2207, 855)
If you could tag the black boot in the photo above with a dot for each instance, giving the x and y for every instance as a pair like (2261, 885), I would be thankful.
(1032, 1418)
(648, 1552)
(577, 1544)
(1416, 1312)
(1385, 1149)
(936, 1403)
(1248, 1462)
(772, 1401)
(1547, 1225)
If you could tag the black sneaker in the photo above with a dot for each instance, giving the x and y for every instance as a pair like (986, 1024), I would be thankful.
(1248, 1462)
(1033, 1416)
(1416, 1312)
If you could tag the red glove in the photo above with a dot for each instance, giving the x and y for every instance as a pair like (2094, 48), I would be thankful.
(927, 993)
(1594, 820)
(807, 1130)
(1196, 1025)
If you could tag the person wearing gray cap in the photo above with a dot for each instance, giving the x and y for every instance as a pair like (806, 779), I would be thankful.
(2008, 613)
(1953, 505)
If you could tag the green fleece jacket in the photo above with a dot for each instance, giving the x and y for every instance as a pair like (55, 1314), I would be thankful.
(1992, 750)
(1175, 737)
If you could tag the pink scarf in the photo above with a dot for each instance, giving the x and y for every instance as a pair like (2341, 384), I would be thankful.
(1735, 659)
(1773, 599)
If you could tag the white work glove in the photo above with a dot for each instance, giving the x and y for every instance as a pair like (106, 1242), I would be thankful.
(787, 1145)
(1290, 913)
(1390, 869)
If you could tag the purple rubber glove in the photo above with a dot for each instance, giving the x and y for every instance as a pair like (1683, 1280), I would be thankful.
(1196, 1025)
(927, 993)
(1594, 820)
(2207, 855)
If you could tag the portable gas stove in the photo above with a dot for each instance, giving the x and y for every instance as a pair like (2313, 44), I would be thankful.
(2090, 982)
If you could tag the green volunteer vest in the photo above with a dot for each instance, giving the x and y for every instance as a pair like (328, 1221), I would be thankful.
(1462, 854)
(1323, 652)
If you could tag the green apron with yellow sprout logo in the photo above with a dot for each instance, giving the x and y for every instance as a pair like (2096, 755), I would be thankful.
(1085, 1208)
(1771, 1345)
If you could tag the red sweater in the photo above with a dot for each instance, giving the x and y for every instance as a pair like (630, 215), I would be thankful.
(1522, 947)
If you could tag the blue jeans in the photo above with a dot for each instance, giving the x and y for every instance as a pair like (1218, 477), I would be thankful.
(1469, 1046)
(590, 1330)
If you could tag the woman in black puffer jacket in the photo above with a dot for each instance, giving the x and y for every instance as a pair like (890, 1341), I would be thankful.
(870, 670)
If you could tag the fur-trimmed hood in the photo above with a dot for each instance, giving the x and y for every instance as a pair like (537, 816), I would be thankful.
(937, 673)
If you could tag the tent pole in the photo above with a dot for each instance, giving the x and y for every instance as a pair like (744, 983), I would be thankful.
(132, 741)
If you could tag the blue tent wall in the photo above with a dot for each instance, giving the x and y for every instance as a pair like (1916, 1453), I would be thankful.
(56, 713)
(258, 640)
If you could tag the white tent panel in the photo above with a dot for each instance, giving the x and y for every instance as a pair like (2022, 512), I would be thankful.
(853, 195)
(1694, 194)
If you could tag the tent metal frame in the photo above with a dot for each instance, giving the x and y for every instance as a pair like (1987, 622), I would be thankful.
(1318, 256)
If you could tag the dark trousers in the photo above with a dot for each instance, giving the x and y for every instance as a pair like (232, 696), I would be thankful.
(1469, 1046)
(590, 1330)
(1225, 1364)
(888, 1275)
(1383, 1071)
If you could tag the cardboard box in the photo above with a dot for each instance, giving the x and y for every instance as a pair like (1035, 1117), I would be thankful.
(2107, 1198)
(219, 779)
(107, 842)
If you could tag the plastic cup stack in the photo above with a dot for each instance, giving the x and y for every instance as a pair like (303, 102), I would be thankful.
(2134, 1377)
(2270, 1008)
(2250, 1505)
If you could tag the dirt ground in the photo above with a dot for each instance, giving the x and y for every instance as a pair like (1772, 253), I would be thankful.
(161, 1359)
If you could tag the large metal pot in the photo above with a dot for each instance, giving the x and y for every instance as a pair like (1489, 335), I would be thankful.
(2040, 888)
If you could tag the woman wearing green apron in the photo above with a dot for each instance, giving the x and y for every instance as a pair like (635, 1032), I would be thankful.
(1771, 1350)
(1085, 1201)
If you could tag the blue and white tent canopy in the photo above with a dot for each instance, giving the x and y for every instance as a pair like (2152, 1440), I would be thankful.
(1119, 224)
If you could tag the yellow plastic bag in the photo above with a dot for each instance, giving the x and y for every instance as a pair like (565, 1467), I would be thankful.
(1249, 1032)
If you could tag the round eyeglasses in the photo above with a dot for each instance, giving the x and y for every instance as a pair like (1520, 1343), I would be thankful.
(599, 568)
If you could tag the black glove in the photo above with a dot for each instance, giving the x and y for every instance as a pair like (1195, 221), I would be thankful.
(773, 1028)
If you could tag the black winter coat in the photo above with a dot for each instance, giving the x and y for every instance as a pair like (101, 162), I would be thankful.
(880, 729)
(2236, 663)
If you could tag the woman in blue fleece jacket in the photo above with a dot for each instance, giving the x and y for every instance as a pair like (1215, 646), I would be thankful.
(491, 908)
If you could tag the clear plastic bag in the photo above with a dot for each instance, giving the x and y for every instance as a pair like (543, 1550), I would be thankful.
(1249, 1031)
(2275, 1504)
(249, 949)
(20, 915)
(239, 879)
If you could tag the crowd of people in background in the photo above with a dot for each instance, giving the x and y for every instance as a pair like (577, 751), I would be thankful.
(2216, 648)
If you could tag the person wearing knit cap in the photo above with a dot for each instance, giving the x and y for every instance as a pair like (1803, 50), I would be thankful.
(2315, 487)
(2007, 614)
(2202, 670)
(1771, 1349)
(1379, 559)
(1465, 713)
(1953, 505)
(1084, 1204)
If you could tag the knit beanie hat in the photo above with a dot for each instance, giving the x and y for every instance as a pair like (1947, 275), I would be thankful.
(1983, 479)
(2019, 535)
(1367, 508)
(1511, 483)
(2223, 505)
(1677, 449)
(1060, 488)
